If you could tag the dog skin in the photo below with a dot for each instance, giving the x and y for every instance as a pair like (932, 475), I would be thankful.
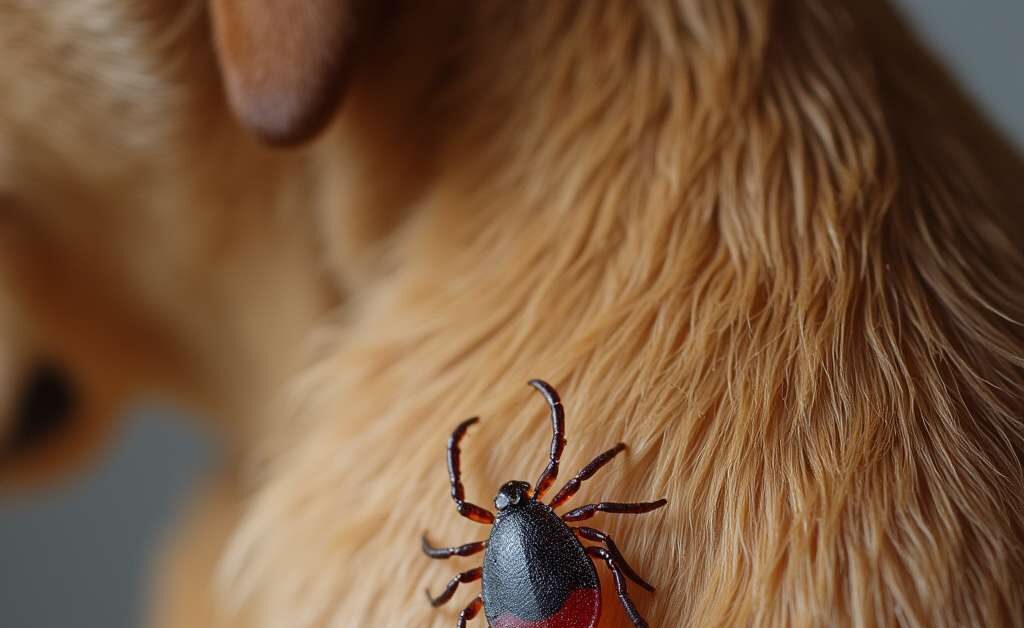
(768, 245)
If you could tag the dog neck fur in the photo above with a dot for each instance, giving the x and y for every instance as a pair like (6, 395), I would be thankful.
(729, 232)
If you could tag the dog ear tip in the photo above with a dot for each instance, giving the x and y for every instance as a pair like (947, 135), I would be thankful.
(282, 125)
(283, 77)
(284, 135)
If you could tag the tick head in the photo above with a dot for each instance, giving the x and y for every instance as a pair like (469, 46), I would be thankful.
(511, 494)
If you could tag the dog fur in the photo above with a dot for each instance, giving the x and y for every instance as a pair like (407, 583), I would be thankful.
(768, 244)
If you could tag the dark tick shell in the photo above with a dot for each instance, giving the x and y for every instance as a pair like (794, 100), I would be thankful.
(536, 573)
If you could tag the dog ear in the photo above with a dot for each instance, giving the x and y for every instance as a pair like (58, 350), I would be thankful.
(285, 63)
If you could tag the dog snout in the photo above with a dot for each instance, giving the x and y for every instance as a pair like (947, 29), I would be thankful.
(39, 405)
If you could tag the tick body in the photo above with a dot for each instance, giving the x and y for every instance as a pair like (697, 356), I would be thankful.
(536, 572)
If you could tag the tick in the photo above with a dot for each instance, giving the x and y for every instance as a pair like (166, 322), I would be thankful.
(536, 573)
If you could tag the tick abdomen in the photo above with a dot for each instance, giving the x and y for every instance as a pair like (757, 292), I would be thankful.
(536, 572)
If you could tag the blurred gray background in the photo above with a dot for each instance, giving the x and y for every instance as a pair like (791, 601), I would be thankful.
(77, 556)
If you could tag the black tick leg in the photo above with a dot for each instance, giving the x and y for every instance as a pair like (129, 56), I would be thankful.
(588, 511)
(466, 509)
(620, 585)
(470, 611)
(613, 549)
(453, 584)
(586, 473)
(550, 473)
(447, 552)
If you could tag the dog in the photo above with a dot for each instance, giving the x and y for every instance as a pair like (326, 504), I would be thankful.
(769, 245)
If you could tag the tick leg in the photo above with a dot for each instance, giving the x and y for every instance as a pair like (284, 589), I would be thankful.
(447, 552)
(588, 511)
(613, 549)
(620, 585)
(586, 473)
(470, 611)
(550, 474)
(466, 509)
(453, 584)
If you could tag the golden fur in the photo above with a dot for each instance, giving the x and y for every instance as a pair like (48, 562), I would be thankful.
(767, 244)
